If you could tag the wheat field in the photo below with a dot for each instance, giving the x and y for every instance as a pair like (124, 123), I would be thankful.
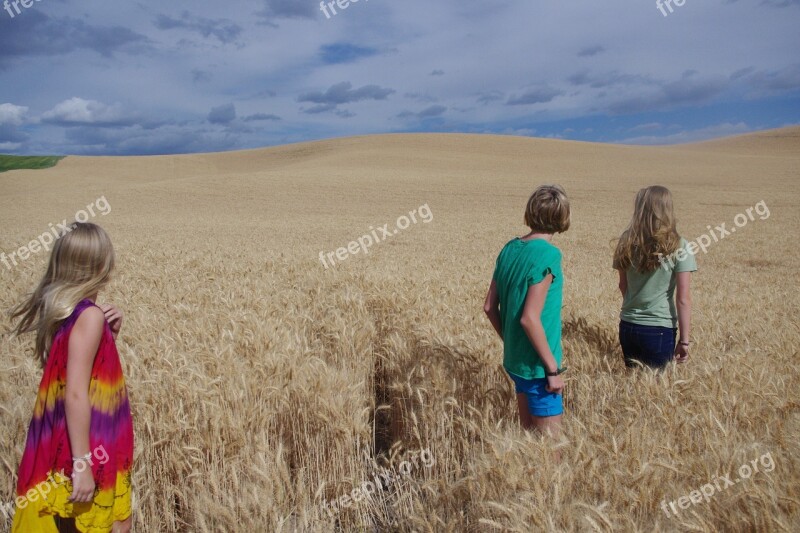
(264, 384)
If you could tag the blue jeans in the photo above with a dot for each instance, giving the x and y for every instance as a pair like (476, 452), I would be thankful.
(653, 346)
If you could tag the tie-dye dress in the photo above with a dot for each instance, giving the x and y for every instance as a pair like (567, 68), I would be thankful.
(45, 472)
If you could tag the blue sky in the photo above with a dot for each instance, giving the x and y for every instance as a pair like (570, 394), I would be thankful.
(92, 77)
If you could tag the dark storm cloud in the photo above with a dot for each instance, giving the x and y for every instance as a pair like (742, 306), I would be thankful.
(225, 30)
(420, 97)
(261, 95)
(742, 73)
(295, 9)
(320, 108)
(168, 139)
(260, 116)
(773, 3)
(591, 51)
(342, 93)
(37, 34)
(432, 111)
(767, 81)
(336, 53)
(224, 114)
(687, 91)
(607, 79)
(201, 76)
(538, 95)
(489, 97)
(428, 112)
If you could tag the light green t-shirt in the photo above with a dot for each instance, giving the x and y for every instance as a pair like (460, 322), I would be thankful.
(650, 298)
(520, 265)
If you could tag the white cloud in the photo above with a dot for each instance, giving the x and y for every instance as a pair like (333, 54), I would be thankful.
(13, 115)
(564, 65)
(77, 111)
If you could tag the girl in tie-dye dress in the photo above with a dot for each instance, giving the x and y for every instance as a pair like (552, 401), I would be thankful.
(75, 473)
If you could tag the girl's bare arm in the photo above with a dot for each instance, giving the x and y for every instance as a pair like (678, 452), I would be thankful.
(492, 308)
(623, 282)
(83, 343)
(683, 301)
(531, 322)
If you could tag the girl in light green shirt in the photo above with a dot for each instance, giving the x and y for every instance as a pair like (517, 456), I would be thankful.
(654, 264)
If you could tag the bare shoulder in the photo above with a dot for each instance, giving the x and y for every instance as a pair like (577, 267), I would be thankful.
(90, 321)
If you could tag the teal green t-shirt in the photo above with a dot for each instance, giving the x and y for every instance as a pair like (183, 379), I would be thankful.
(520, 265)
(650, 298)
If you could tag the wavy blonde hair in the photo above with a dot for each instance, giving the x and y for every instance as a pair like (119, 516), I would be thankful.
(651, 234)
(80, 266)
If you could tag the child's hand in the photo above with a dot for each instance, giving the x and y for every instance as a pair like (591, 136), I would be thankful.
(113, 317)
(681, 353)
(555, 384)
(83, 485)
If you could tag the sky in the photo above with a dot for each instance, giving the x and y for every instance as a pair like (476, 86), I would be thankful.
(93, 77)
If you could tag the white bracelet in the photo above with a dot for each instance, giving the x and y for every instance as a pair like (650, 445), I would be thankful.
(82, 457)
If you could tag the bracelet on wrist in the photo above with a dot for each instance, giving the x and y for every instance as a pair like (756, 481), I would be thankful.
(556, 373)
(684, 343)
(82, 457)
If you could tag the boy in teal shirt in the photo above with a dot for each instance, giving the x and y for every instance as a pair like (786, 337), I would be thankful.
(524, 306)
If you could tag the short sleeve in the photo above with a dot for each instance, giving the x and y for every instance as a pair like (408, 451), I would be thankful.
(686, 261)
(497, 264)
(549, 265)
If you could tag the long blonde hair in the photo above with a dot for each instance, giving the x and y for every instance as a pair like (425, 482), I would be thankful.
(651, 234)
(80, 266)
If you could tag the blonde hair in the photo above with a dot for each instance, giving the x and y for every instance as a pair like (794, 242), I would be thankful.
(651, 233)
(80, 266)
(548, 210)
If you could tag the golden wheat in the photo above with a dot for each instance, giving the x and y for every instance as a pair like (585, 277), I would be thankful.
(263, 385)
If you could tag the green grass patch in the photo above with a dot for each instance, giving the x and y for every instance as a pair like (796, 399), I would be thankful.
(34, 162)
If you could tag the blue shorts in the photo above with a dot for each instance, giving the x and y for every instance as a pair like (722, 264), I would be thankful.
(540, 401)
